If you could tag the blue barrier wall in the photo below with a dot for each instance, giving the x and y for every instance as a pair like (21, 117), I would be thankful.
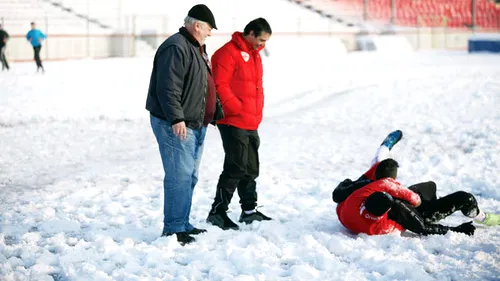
(484, 43)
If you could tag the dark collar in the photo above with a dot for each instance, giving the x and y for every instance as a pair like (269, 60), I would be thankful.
(184, 32)
(203, 49)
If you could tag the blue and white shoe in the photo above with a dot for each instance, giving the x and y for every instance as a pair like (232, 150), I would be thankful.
(392, 139)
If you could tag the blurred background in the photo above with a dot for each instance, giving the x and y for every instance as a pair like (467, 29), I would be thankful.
(130, 28)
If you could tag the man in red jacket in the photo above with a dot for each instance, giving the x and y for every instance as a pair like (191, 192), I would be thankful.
(366, 209)
(377, 204)
(237, 69)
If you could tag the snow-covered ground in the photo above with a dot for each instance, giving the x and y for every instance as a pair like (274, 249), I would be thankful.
(81, 178)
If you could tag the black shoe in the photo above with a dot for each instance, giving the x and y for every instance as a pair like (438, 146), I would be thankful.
(257, 216)
(196, 231)
(182, 237)
(222, 220)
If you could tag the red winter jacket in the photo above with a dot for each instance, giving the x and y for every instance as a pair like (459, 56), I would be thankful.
(353, 215)
(370, 174)
(237, 69)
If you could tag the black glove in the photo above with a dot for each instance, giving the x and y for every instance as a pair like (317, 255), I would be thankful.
(340, 193)
(466, 228)
(426, 190)
(346, 182)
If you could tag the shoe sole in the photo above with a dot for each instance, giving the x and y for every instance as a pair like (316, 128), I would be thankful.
(222, 227)
(249, 222)
(397, 140)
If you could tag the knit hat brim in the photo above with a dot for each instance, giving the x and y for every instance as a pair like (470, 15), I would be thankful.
(202, 13)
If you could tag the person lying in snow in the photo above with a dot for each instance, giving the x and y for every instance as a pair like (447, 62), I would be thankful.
(376, 203)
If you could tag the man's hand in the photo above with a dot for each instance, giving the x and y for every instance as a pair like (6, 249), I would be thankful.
(466, 228)
(180, 130)
(419, 202)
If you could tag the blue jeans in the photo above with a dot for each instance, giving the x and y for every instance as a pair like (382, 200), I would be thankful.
(181, 160)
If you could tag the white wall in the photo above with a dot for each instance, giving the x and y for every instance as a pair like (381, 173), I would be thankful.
(296, 46)
(73, 47)
(294, 28)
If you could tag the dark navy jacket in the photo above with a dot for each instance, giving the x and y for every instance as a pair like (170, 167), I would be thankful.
(178, 86)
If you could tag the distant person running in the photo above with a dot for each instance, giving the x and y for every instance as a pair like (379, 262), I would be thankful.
(36, 37)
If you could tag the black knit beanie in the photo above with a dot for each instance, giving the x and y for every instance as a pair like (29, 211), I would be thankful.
(202, 12)
(378, 203)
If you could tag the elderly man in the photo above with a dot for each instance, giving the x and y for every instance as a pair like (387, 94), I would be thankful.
(182, 101)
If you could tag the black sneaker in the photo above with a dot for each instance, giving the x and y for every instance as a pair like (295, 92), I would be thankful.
(222, 220)
(182, 237)
(257, 216)
(196, 231)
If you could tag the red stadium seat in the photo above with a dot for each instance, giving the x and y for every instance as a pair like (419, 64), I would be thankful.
(453, 13)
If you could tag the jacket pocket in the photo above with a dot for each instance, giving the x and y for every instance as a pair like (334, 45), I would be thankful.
(232, 106)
